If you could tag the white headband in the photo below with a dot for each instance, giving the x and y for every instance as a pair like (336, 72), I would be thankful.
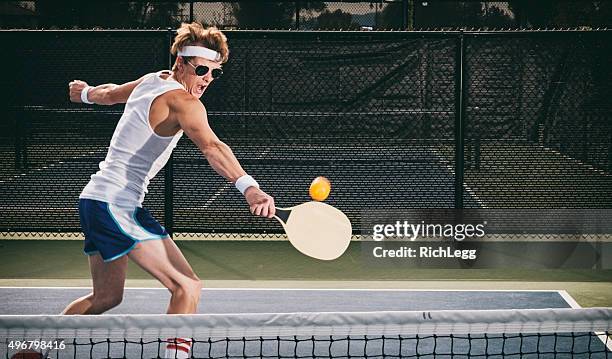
(200, 51)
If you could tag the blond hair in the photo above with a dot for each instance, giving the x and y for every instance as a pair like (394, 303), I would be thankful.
(195, 34)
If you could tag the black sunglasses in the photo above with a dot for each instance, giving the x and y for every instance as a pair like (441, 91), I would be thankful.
(202, 70)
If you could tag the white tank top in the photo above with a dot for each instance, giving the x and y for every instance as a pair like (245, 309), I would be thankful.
(136, 153)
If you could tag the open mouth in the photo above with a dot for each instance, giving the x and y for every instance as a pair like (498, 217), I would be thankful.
(200, 89)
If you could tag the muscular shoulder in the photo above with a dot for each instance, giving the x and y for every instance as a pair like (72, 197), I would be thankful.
(181, 102)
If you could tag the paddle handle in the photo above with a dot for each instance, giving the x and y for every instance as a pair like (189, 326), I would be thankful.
(283, 214)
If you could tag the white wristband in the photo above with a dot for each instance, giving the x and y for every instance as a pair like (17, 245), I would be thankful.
(245, 182)
(84, 98)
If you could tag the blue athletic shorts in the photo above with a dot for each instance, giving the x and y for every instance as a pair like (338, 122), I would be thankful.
(113, 230)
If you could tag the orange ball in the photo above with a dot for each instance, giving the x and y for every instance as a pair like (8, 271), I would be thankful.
(319, 189)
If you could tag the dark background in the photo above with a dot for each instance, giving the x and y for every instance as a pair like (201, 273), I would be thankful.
(308, 15)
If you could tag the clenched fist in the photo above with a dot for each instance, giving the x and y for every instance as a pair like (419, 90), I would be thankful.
(75, 88)
(260, 203)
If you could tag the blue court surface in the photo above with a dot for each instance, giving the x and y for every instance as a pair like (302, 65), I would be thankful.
(155, 300)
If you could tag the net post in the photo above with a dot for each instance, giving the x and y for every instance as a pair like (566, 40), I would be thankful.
(477, 150)
(169, 33)
(584, 151)
(405, 15)
(610, 150)
(25, 132)
(297, 15)
(18, 138)
(459, 119)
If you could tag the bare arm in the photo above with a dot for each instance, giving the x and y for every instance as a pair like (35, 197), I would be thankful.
(106, 94)
(194, 122)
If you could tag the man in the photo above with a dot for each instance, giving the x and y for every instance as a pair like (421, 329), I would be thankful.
(160, 107)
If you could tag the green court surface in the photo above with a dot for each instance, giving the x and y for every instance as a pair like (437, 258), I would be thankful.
(277, 264)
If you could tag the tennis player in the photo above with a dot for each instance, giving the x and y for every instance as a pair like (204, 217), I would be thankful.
(159, 108)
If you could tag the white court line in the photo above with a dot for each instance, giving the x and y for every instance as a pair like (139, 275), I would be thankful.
(465, 186)
(579, 162)
(227, 186)
(38, 169)
(214, 197)
(325, 289)
(569, 299)
(572, 302)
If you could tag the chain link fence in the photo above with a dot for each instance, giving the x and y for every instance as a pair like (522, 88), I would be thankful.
(396, 120)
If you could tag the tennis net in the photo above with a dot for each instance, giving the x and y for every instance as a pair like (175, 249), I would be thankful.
(531, 333)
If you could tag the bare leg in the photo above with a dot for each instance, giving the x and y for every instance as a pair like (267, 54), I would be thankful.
(108, 282)
(164, 261)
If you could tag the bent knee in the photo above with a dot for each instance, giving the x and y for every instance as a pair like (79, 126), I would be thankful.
(193, 286)
(189, 286)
